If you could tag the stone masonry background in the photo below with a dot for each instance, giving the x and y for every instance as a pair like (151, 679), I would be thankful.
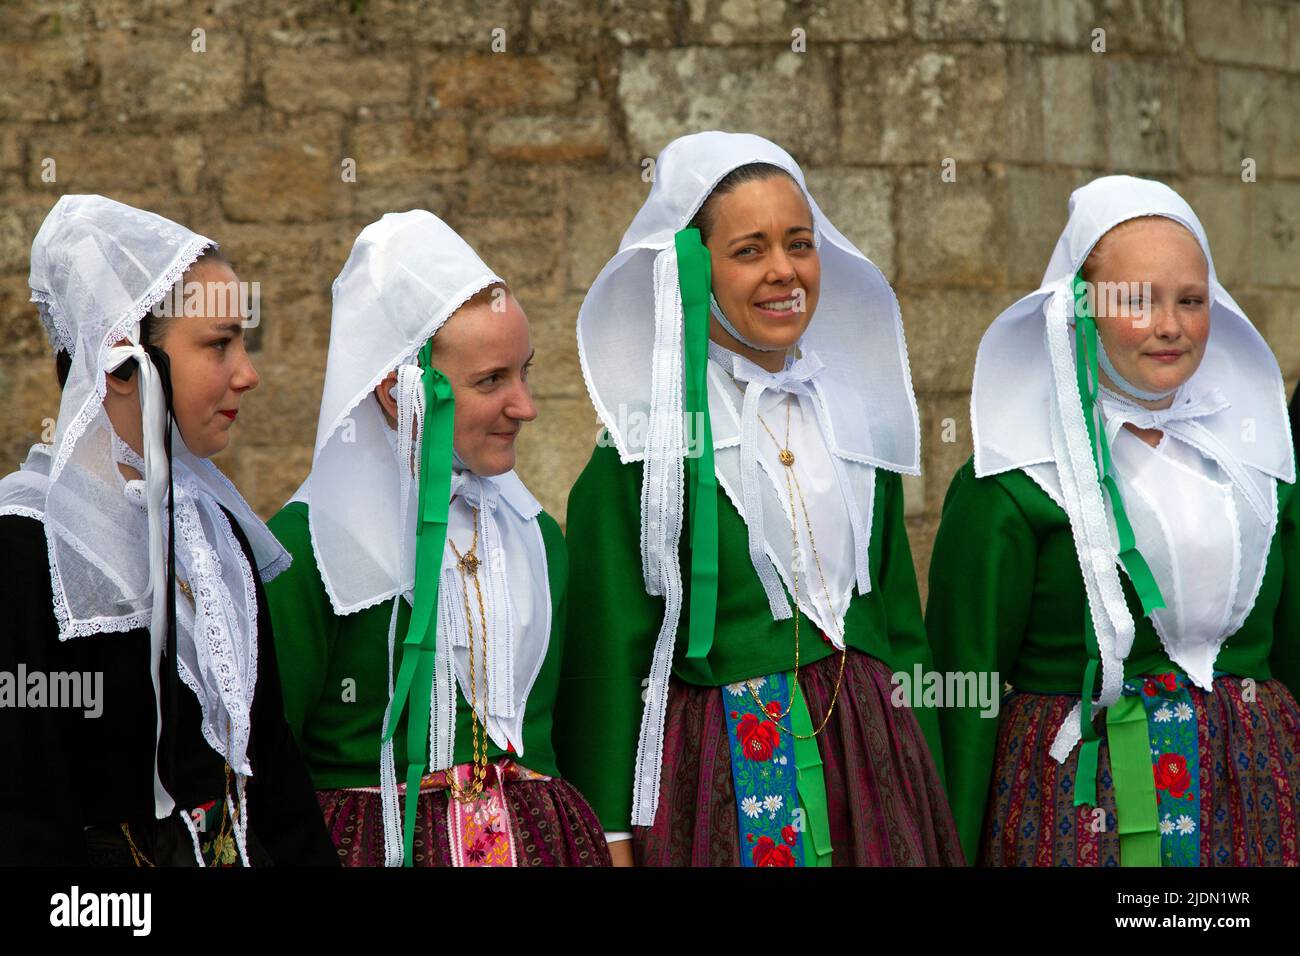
(535, 155)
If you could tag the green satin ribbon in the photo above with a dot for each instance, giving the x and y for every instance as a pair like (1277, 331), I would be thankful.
(1085, 334)
(810, 780)
(414, 683)
(694, 276)
(1135, 786)
(1139, 572)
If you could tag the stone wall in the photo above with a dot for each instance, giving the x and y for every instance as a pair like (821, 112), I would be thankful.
(535, 155)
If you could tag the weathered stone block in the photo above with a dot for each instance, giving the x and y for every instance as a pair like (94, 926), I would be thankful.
(918, 105)
(952, 233)
(600, 208)
(549, 139)
(559, 24)
(48, 80)
(783, 96)
(1198, 125)
(527, 252)
(1154, 26)
(1238, 31)
(1276, 244)
(502, 81)
(1073, 131)
(331, 78)
(1257, 120)
(860, 202)
(553, 325)
(110, 163)
(960, 19)
(468, 24)
(1223, 204)
(162, 75)
(393, 151)
(1141, 117)
(943, 328)
(1039, 206)
(290, 175)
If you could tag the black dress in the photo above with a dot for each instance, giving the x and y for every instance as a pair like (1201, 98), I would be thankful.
(68, 781)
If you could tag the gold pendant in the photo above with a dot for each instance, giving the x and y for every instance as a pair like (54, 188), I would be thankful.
(787, 457)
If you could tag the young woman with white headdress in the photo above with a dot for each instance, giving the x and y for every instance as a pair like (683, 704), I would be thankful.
(404, 655)
(748, 585)
(1127, 416)
(133, 567)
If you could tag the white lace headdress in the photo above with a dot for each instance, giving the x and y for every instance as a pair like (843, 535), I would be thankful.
(1026, 409)
(98, 267)
(633, 310)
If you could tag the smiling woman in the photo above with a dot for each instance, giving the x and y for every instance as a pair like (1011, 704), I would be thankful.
(414, 523)
(1127, 416)
(741, 659)
(766, 271)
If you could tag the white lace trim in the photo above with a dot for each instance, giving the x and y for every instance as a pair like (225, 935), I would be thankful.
(223, 640)
(1112, 621)
(662, 504)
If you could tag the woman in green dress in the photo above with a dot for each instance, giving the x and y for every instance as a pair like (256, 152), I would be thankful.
(748, 588)
(1127, 416)
(414, 523)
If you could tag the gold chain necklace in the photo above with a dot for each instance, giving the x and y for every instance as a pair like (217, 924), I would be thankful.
(469, 565)
(792, 486)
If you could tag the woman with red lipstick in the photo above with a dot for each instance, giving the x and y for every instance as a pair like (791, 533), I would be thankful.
(748, 586)
(1127, 417)
(424, 612)
(132, 565)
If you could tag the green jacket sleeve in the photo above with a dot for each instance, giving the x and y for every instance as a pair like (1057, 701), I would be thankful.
(539, 723)
(908, 642)
(1284, 659)
(303, 619)
(981, 585)
(612, 625)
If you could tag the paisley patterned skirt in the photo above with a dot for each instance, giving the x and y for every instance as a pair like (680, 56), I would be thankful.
(885, 803)
(1247, 776)
(546, 823)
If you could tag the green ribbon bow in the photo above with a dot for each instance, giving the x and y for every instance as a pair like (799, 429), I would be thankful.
(414, 683)
(1128, 751)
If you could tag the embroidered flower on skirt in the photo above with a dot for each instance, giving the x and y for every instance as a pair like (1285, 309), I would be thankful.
(764, 773)
(1175, 761)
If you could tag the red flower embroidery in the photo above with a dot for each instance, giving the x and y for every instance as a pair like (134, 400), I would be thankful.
(770, 853)
(788, 834)
(757, 738)
(1149, 687)
(1169, 680)
(1171, 774)
(773, 709)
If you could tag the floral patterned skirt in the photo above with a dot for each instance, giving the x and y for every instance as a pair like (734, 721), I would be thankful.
(885, 804)
(1243, 770)
(549, 824)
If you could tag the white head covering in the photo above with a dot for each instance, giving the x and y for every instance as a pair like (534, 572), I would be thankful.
(407, 275)
(98, 267)
(1026, 413)
(633, 310)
